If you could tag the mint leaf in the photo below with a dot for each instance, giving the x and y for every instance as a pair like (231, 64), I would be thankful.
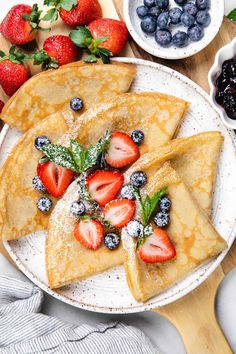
(232, 15)
(93, 152)
(78, 154)
(60, 155)
(68, 4)
(51, 15)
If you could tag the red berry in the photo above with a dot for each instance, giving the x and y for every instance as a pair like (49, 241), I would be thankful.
(119, 212)
(89, 233)
(12, 76)
(61, 48)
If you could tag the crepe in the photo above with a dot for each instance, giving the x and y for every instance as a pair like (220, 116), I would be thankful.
(195, 159)
(191, 233)
(52, 91)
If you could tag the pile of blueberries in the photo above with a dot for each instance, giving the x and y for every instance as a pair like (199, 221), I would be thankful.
(158, 18)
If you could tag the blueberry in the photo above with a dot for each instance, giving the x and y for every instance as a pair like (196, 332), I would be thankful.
(180, 39)
(175, 14)
(163, 37)
(44, 204)
(162, 219)
(76, 104)
(164, 204)
(154, 11)
(187, 19)
(149, 24)
(111, 240)
(127, 192)
(163, 20)
(149, 3)
(181, 2)
(142, 11)
(162, 4)
(138, 179)
(195, 33)
(77, 208)
(190, 8)
(135, 228)
(203, 4)
(203, 18)
(38, 184)
(137, 136)
(40, 141)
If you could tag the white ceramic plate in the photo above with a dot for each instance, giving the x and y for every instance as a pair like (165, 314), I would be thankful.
(148, 43)
(108, 292)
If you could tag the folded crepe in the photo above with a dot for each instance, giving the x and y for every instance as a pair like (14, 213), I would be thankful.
(191, 233)
(52, 91)
(156, 114)
(75, 261)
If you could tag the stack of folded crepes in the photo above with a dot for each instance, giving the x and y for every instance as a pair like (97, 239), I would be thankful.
(187, 166)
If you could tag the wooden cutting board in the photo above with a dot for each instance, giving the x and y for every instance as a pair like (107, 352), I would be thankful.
(194, 314)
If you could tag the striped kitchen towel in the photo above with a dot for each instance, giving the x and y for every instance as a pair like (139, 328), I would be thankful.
(23, 329)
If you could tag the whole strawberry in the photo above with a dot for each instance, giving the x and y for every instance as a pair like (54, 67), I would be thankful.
(13, 72)
(2, 104)
(21, 23)
(62, 49)
(73, 12)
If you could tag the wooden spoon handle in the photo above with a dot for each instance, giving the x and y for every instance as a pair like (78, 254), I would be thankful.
(194, 317)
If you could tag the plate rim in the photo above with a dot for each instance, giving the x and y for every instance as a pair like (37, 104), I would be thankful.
(142, 306)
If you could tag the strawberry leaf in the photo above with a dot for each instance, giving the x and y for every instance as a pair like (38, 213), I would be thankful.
(100, 39)
(232, 15)
(90, 59)
(34, 18)
(81, 37)
(51, 15)
(68, 4)
(42, 57)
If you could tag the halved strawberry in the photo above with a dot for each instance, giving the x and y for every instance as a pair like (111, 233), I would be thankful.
(103, 186)
(55, 178)
(89, 233)
(119, 212)
(157, 248)
(122, 151)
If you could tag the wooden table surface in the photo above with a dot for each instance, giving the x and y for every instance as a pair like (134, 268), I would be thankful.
(194, 314)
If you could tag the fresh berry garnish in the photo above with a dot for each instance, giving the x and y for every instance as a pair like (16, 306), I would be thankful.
(62, 49)
(76, 104)
(55, 178)
(127, 192)
(38, 185)
(41, 141)
(13, 71)
(44, 204)
(157, 248)
(77, 208)
(135, 228)
(21, 23)
(137, 136)
(162, 4)
(163, 20)
(111, 241)
(2, 104)
(187, 19)
(142, 11)
(89, 233)
(162, 219)
(195, 33)
(138, 179)
(149, 24)
(83, 13)
(181, 2)
(119, 212)
(122, 150)
(180, 39)
(164, 204)
(175, 15)
(163, 37)
(203, 18)
(104, 186)
(191, 8)
(149, 3)
(203, 4)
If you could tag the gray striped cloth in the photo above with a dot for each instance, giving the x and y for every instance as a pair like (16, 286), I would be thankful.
(23, 329)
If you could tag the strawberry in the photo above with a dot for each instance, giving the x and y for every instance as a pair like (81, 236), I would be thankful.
(115, 31)
(62, 49)
(119, 212)
(55, 178)
(21, 23)
(103, 186)
(157, 248)
(89, 233)
(13, 72)
(122, 151)
(2, 104)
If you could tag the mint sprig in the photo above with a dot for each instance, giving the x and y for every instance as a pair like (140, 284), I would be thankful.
(149, 204)
(76, 158)
(52, 14)
(83, 38)
(232, 15)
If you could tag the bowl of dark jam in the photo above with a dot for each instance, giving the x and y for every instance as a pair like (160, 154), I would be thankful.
(222, 80)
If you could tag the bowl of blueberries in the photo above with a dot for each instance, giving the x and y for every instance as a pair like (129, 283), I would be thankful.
(222, 81)
(173, 29)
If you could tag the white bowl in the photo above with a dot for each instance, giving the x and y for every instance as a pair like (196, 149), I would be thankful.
(225, 53)
(148, 43)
